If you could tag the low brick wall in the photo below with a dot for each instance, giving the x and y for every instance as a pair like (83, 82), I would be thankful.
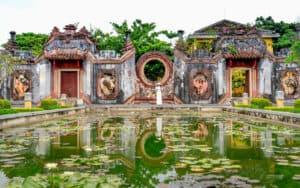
(285, 117)
(12, 120)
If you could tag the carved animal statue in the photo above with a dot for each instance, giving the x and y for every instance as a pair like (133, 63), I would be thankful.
(289, 83)
(107, 85)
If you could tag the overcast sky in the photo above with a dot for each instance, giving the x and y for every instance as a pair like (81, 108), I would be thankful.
(39, 16)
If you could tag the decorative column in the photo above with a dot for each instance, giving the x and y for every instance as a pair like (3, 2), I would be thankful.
(280, 98)
(27, 100)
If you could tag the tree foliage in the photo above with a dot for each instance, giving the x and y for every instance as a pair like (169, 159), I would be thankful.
(31, 41)
(7, 65)
(143, 36)
(287, 33)
(295, 53)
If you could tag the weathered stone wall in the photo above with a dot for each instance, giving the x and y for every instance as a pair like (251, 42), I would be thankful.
(124, 83)
(44, 67)
(6, 89)
(128, 77)
(183, 87)
(265, 71)
(87, 78)
(221, 77)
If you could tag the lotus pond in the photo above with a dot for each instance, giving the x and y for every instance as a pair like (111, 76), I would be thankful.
(154, 150)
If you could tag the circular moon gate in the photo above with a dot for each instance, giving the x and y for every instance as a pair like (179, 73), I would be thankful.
(149, 57)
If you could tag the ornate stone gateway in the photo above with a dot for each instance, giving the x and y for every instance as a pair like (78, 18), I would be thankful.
(145, 84)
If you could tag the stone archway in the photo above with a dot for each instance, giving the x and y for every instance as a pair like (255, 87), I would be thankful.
(148, 57)
(145, 87)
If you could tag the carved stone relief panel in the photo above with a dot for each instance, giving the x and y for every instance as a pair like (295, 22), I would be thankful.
(20, 84)
(107, 85)
(290, 83)
(200, 84)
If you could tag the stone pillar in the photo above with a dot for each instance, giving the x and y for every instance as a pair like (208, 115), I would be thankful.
(63, 99)
(28, 100)
(279, 98)
(245, 99)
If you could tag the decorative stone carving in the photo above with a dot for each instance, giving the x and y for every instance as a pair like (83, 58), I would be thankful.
(107, 85)
(241, 46)
(144, 59)
(20, 84)
(289, 83)
(200, 84)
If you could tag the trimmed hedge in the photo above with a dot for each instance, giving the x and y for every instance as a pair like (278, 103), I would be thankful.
(49, 104)
(261, 102)
(28, 109)
(245, 106)
(8, 111)
(281, 109)
(5, 104)
(297, 103)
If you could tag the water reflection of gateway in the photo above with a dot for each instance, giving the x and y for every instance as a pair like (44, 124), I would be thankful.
(241, 140)
(71, 138)
(151, 145)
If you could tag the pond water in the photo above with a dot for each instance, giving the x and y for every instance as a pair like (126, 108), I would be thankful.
(157, 150)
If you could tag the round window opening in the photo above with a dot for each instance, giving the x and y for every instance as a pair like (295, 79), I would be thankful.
(154, 70)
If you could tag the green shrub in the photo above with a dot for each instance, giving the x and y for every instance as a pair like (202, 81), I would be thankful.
(282, 109)
(8, 111)
(297, 103)
(5, 104)
(296, 110)
(261, 102)
(245, 106)
(49, 104)
(28, 109)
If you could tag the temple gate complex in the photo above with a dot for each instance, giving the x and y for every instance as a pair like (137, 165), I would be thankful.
(204, 69)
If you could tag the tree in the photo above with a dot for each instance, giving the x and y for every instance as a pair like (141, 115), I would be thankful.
(7, 64)
(31, 41)
(287, 33)
(295, 53)
(143, 36)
